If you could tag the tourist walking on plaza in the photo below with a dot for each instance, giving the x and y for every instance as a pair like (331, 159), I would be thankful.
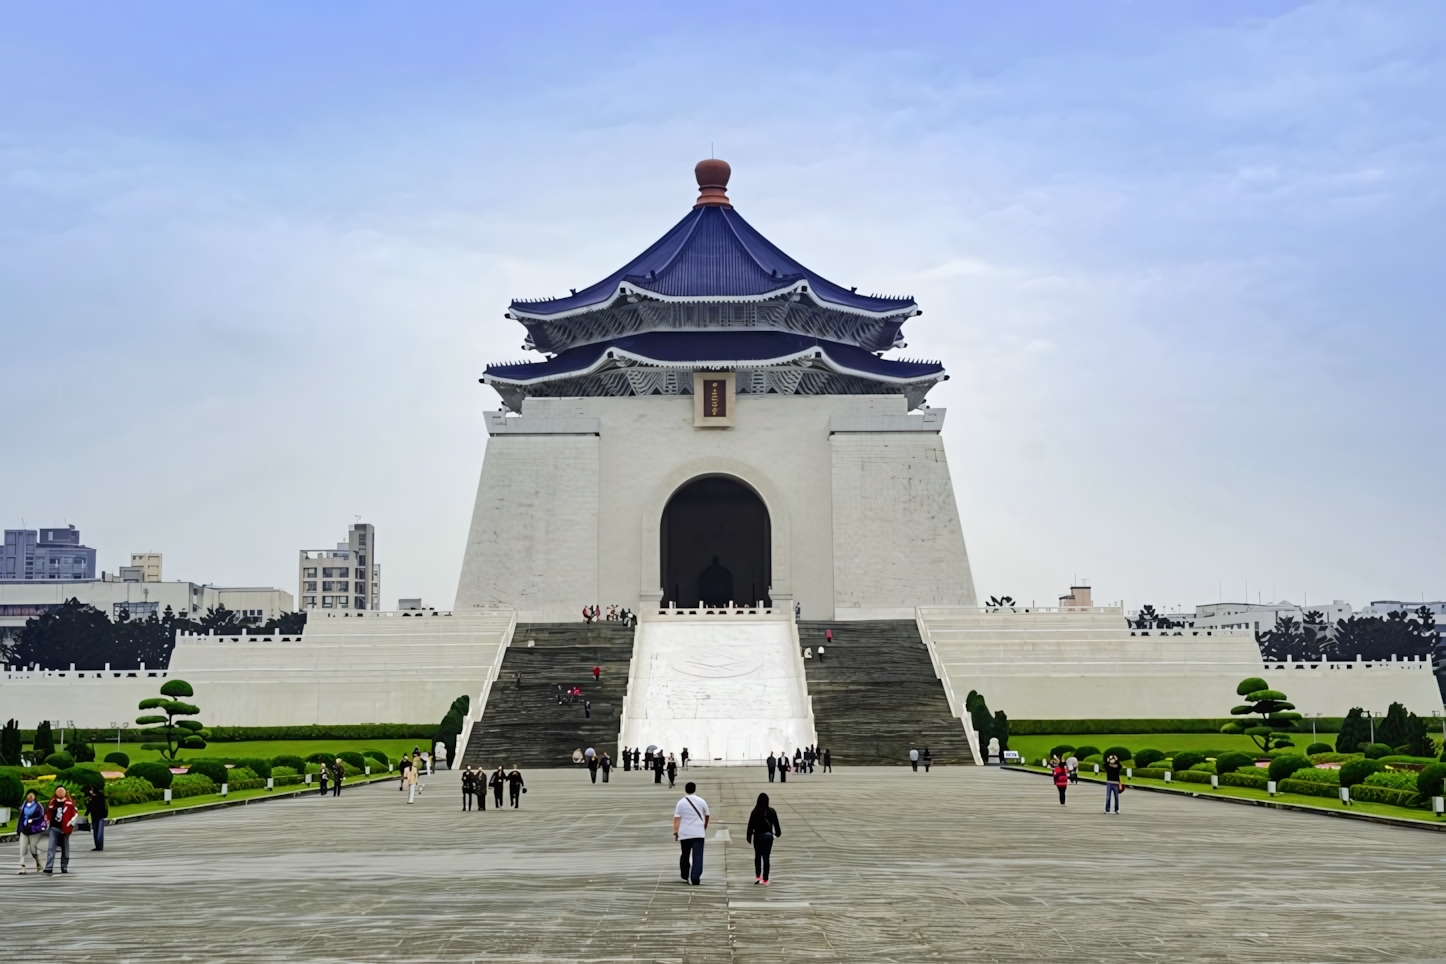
(597, 674)
(690, 823)
(635, 757)
(468, 785)
(606, 766)
(412, 783)
(498, 779)
(592, 762)
(648, 759)
(403, 766)
(97, 811)
(32, 827)
(658, 767)
(1072, 764)
(60, 814)
(782, 768)
(772, 765)
(926, 758)
(479, 784)
(322, 776)
(627, 759)
(672, 770)
(827, 760)
(762, 829)
(914, 758)
(1112, 782)
(684, 758)
(515, 788)
(1061, 777)
(338, 774)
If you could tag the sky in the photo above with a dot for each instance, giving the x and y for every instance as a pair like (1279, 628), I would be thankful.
(1182, 261)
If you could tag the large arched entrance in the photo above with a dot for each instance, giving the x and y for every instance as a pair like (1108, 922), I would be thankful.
(715, 544)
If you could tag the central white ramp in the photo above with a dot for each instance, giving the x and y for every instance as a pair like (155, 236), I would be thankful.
(728, 684)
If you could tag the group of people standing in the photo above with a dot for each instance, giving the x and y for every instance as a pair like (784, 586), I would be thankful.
(804, 760)
(57, 820)
(656, 760)
(411, 770)
(1066, 772)
(476, 780)
(615, 614)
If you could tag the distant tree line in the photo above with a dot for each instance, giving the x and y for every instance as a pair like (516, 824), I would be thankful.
(79, 634)
(1397, 634)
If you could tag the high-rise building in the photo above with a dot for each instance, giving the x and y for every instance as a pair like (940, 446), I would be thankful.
(144, 567)
(347, 577)
(50, 554)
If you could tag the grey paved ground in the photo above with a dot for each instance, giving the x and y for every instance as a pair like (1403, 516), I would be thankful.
(875, 865)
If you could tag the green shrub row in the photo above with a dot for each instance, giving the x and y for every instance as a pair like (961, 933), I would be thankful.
(157, 774)
(131, 790)
(255, 783)
(192, 785)
(1431, 780)
(1193, 776)
(1330, 778)
(1309, 788)
(1255, 781)
(1151, 773)
(285, 780)
(1398, 798)
(1396, 780)
(1082, 727)
(359, 731)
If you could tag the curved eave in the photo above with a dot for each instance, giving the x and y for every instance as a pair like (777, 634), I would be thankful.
(633, 290)
(842, 359)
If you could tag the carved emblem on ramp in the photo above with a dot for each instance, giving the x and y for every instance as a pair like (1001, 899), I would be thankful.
(715, 665)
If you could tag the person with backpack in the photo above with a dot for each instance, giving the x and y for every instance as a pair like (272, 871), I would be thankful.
(32, 827)
(60, 814)
(1072, 765)
(97, 810)
(690, 824)
(762, 830)
(1061, 777)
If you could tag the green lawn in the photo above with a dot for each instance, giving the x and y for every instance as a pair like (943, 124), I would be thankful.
(1031, 748)
(266, 749)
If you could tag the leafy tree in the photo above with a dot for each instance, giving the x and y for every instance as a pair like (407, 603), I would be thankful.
(1404, 729)
(1375, 638)
(44, 743)
(1000, 731)
(1289, 639)
(451, 727)
(180, 734)
(1277, 716)
(980, 719)
(10, 744)
(1000, 602)
(1355, 732)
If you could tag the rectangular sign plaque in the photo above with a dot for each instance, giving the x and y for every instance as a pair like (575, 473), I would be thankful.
(713, 399)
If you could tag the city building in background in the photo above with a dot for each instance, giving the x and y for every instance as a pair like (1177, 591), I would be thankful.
(1384, 607)
(347, 577)
(47, 554)
(135, 599)
(1261, 617)
(144, 567)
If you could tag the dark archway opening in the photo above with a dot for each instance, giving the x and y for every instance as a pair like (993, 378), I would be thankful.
(716, 545)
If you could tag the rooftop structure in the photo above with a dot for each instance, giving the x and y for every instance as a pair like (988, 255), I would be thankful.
(50, 554)
(713, 294)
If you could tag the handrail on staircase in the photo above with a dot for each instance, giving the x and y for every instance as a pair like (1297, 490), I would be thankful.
(942, 672)
(479, 706)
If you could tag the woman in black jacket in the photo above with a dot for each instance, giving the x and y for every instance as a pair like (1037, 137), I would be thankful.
(762, 829)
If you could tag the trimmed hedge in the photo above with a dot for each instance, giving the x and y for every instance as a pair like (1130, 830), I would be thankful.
(1250, 780)
(1315, 748)
(360, 731)
(214, 769)
(60, 759)
(1430, 780)
(1123, 752)
(1330, 778)
(1062, 751)
(285, 780)
(1230, 762)
(1387, 778)
(379, 757)
(1309, 788)
(261, 768)
(1193, 776)
(1080, 727)
(1185, 759)
(131, 790)
(1283, 766)
(1374, 751)
(295, 763)
(119, 759)
(12, 789)
(1151, 773)
(1147, 756)
(157, 775)
(1080, 752)
(1396, 798)
(354, 758)
(1356, 771)
(78, 778)
(192, 785)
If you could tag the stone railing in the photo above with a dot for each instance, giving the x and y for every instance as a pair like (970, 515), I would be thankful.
(21, 673)
(1420, 663)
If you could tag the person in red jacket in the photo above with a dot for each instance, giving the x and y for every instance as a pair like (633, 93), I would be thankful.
(60, 811)
(1061, 777)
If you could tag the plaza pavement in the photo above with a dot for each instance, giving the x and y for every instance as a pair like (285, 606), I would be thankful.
(876, 864)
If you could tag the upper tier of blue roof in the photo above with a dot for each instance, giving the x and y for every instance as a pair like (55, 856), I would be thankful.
(713, 253)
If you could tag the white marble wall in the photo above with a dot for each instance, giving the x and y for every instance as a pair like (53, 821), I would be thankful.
(731, 689)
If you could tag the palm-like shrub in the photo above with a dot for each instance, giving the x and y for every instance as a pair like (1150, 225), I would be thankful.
(1277, 714)
(180, 734)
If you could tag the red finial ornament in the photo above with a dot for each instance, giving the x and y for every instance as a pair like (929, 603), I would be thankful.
(712, 178)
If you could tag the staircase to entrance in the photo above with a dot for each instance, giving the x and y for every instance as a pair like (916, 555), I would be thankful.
(875, 694)
(524, 725)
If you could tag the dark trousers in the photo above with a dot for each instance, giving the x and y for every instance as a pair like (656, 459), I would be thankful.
(770, 774)
(692, 848)
(926, 765)
(97, 831)
(762, 850)
(605, 776)
(466, 799)
(497, 796)
(915, 765)
(1061, 794)
(60, 839)
(336, 788)
(657, 776)
(516, 795)
(782, 775)
(322, 791)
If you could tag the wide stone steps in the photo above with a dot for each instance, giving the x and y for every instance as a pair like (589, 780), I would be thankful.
(524, 725)
(875, 694)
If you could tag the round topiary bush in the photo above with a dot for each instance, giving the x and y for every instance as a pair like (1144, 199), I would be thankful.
(1356, 771)
(1186, 759)
(1429, 781)
(1315, 748)
(1062, 751)
(377, 756)
(259, 767)
(157, 775)
(1374, 751)
(1283, 766)
(60, 760)
(1123, 752)
(1080, 752)
(296, 763)
(322, 756)
(81, 777)
(119, 759)
(1232, 761)
(1147, 756)
(354, 758)
(12, 789)
(214, 769)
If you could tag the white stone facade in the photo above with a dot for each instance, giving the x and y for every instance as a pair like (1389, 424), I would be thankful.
(861, 507)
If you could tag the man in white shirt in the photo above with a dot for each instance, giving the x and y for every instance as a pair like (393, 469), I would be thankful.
(690, 823)
(914, 758)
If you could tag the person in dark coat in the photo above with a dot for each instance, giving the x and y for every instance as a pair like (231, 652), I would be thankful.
(657, 767)
(772, 765)
(672, 770)
(763, 829)
(469, 786)
(782, 768)
(323, 776)
(827, 760)
(338, 773)
(627, 759)
(97, 810)
(636, 757)
(515, 788)
(592, 764)
(498, 779)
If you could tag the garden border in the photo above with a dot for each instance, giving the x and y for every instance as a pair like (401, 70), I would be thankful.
(218, 805)
(1273, 804)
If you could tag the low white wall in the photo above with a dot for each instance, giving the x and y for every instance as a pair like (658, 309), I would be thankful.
(1089, 665)
(376, 668)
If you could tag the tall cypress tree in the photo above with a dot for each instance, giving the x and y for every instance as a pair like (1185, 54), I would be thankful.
(1355, 732)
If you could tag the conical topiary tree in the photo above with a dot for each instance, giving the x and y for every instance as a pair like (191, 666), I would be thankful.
(179, 734)
(1276, 714)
